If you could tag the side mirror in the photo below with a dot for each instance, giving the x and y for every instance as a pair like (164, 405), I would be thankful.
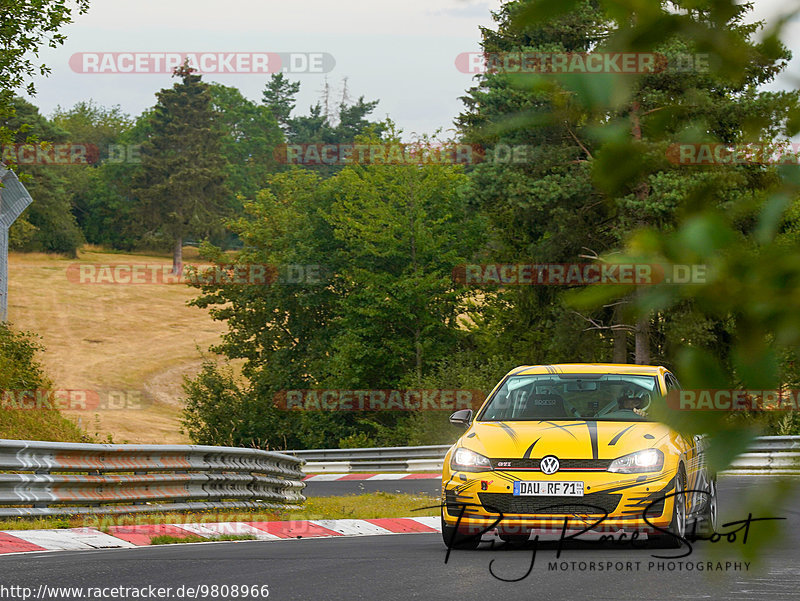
(462, 417)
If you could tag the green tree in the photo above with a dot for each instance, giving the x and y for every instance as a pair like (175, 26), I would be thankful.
(279, 97)
(100, 130)
(181, 185)
(48, 224)
(386, 238)
(95, 125)
(353, 121)
(107, 208)
(279, 332)
(252, 134)
(403, 229)
(317, 127)
(542, 205)
(28, 25)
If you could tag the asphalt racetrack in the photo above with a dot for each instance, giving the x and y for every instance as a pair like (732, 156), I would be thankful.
(412, 566)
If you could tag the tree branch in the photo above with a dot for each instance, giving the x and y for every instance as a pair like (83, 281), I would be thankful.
(595, 325)
(578, 142)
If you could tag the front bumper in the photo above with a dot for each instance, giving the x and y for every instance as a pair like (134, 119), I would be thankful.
(611, 502)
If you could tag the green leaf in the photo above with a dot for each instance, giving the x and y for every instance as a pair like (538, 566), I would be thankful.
(772, 214)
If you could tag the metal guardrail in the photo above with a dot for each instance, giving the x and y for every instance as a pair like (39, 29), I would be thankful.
(766, 455)
(375, 459)
(49, 478)
(769, 455)
(373, 453)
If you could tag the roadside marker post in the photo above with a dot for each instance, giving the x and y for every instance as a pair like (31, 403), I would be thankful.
(14, 199)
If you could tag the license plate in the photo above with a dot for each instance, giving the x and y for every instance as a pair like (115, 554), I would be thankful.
(546, 488)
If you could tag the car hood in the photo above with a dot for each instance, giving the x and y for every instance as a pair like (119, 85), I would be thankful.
(575, 439)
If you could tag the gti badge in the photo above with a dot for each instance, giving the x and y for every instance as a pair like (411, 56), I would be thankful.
(549, 465)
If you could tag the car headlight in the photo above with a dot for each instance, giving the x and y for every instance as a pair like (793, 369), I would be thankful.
(469, 461)
(647, 460)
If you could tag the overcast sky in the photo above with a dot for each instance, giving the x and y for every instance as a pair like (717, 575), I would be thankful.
(400, 52)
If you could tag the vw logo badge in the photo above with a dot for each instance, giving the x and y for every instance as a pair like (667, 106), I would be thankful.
(549, 465)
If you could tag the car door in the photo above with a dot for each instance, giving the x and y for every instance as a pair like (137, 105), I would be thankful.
(695, 459)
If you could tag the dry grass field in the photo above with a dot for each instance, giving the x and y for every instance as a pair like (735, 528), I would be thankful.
(134, 342)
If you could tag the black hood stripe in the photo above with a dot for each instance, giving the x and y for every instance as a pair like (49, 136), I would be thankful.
(592, 426)
(618, 435)
(527, 454)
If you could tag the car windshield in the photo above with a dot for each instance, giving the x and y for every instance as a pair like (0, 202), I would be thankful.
(617, 397)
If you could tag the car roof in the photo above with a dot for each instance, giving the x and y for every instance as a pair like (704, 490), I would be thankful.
(590, 368)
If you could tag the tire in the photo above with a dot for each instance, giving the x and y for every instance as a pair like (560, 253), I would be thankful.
(707, 524)
(455, 540)
(677, 525)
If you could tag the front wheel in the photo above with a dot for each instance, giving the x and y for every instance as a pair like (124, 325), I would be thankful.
(677, 525)
(457, 540)
(707, 524)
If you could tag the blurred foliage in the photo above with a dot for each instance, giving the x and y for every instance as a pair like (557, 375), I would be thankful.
(736, 219)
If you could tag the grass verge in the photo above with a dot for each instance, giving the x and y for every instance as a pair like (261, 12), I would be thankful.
(373, 505)
(50, 425)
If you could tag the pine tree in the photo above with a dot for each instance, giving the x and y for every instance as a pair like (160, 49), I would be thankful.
(279, 97)
(182, 188)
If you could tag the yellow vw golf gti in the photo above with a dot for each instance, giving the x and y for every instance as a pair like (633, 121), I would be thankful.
(556, 442)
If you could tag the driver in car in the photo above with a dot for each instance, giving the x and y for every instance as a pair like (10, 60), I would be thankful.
(629, 401)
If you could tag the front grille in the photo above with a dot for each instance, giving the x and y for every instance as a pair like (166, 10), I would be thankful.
(564, 464)
(638, 508)
(509, 504)
(453, 507)
(655, 509)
